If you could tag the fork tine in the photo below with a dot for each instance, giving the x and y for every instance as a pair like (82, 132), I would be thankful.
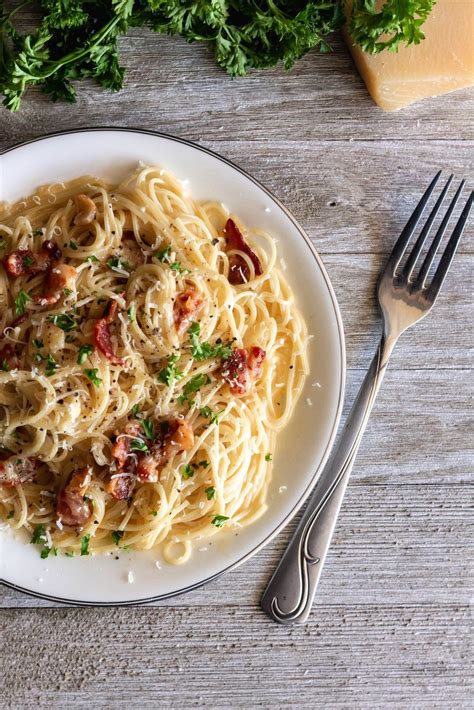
(415, 252)
(425, 267)
(450, 251)
(405, 236)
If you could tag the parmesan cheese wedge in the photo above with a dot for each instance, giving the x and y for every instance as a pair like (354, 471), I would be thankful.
(442, 62)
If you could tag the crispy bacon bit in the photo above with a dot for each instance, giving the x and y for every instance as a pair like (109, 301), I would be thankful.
(186, 307)
(25, 261)
(16, 470)
(174, 436)
(242, 368)
(121, 448)
(57, 279)
(85, 210)
(71, 508)
(239, 271)
(9, 359)
(120, 487)
(102, 337)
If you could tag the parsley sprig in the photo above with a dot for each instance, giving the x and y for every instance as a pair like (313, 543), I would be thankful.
(204, 351)
(170, 373)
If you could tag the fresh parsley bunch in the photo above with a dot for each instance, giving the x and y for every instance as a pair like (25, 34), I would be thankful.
(77, 39)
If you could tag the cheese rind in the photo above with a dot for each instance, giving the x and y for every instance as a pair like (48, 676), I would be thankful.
(441, 63)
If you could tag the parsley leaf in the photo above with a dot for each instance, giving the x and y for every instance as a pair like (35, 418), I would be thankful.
(138, 445)
(188, 471)
(20, 302)
(92, 258)
(117, 535)
(51, 366)
(63, 321)
(4, 366)
(91, 374)
(39, 535)
(268, 457)
(85, 545)
(73, 245)
(170, 373)
(193, 385)
(116, 264)
(148, 428)
(38, 343)
(204, 351)
(83, 354)
(210, 493)
(135, 409)
(10, 514)
(132, 313)
(219, 520)
(208, 413)
(163, 254)
(46, 551)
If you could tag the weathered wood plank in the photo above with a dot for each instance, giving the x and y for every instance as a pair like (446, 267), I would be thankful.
(175, 87)
(233, 657)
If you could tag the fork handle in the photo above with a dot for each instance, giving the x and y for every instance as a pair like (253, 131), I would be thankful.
(290, 592)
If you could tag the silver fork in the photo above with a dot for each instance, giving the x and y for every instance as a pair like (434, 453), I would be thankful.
(404, 299)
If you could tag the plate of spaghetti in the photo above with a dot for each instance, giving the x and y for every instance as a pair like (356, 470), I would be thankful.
(171, 366)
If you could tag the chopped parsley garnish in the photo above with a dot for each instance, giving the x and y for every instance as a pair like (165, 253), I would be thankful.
(27, 261)
(46, 551)
(39, 535)
(63, 321)
(83, 354)
(38, 343)
(3, 244)
(163, 254)
(116, 264)
(148, 428)
(132, 313)
(204, 351)
(154, 513)
(20, 302)
(91, 374)
(170, 373)
(51, 366)
(92, 258)
(4, 366)
(135, 409)
(210, 493)
(188, 471)
(69, 554)
(208, 413)
(138, 445)
(117, 535)
(85, 545)
(73, 245)
(268, 457)
(37, 232)
(219, 520)
(10, 514)
(193, 385)
(67, 291)
(176, 266)
(204, 464)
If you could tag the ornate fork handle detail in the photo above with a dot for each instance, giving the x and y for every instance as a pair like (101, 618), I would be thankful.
(289, 595)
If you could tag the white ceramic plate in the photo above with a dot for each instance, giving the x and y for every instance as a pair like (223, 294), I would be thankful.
(302, 448)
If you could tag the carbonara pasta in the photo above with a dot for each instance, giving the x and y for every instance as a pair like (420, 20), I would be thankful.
(150, 352)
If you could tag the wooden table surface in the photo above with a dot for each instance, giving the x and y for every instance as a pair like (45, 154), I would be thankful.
(391, 625)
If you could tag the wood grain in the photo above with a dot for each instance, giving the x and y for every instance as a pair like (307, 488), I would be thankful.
(391, 624)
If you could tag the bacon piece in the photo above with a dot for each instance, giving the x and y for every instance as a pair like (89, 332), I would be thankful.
(174, 436)
(121, 448)
(85, 210)
(242, 368)
(25, 261)
(239, 271)
(102, 337)
(16, 470)
(186, 307)
(120, 487)
(9, 359)
(71, 508)
(57, 279)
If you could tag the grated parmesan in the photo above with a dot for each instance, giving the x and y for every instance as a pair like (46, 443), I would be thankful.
(130, 577)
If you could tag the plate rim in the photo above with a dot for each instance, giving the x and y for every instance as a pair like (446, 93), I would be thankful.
(340, 329)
